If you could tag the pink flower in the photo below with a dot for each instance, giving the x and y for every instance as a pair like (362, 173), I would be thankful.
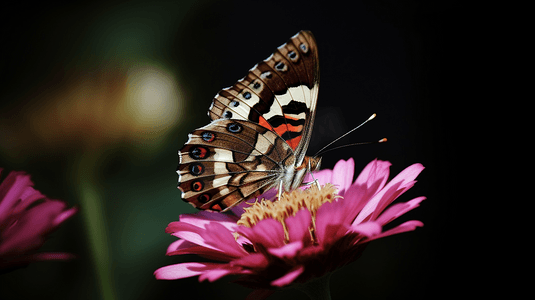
(26, 217)
(302, 236)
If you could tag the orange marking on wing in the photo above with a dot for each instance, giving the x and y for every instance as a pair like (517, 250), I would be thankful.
(294, 142)
(264, 123)
(297, 128)
(282, 129)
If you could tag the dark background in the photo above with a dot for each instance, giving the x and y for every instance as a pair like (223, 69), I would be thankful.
(404, 60)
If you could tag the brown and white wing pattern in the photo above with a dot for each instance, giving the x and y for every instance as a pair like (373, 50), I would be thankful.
(228, 161)
(260, 130)
(279, 93)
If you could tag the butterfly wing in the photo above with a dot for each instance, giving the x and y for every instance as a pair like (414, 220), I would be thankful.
(228, 161)
(279, 93)
(273, 106)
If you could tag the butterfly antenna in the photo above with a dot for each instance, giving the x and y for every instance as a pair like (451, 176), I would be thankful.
(343, 135)
(355, 144)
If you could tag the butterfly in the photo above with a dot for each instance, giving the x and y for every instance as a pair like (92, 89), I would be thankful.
(259, 132)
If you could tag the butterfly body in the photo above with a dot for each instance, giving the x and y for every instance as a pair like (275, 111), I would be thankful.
(260, 131)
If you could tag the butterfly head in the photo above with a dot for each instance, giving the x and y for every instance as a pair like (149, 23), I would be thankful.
(312, 163)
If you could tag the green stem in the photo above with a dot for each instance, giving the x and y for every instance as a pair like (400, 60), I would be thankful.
(95, 225)
(317, 289)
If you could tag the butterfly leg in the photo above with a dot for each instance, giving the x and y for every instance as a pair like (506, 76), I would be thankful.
(280, 190)
(317, 184)
(314, 181)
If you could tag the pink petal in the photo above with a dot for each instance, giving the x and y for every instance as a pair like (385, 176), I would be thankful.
(215, 274)
(312, 251)
(178, 226)
(62, 217)
(184, 247)
(387, 196)
(287, 251)
(26, 217)
(407, 226)
(11, 189)
(329, 218)
(188, 232)
(376, 170)
(252, 261)
(299, 225)
(30, 229)
(220, 238)
(368, 229)
(268, 233)
(390, 192)
(200, 219)
(398, 209)
(342, 175)
(216, 237)
(367, 184)
(354, 200)
(178, 245)
(241, 240)
(28, 196)
(289, 277)
(185, 270)
(410, 173)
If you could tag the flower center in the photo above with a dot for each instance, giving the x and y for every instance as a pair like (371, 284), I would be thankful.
(288, 205)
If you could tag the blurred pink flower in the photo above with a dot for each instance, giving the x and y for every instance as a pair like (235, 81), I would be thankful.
(313, 234)
(26, 217)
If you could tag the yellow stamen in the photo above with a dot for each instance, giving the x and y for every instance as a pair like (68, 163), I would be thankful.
(289, 204)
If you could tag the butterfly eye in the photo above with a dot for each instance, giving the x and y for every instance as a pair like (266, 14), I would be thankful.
(234, 103)
(208, 136)
(199, 153)
(280, 66)
(197, 186)
(196, 169)
(247, 95)
(304, 48)
(203, 198)
(256, 85)
(234, 127)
